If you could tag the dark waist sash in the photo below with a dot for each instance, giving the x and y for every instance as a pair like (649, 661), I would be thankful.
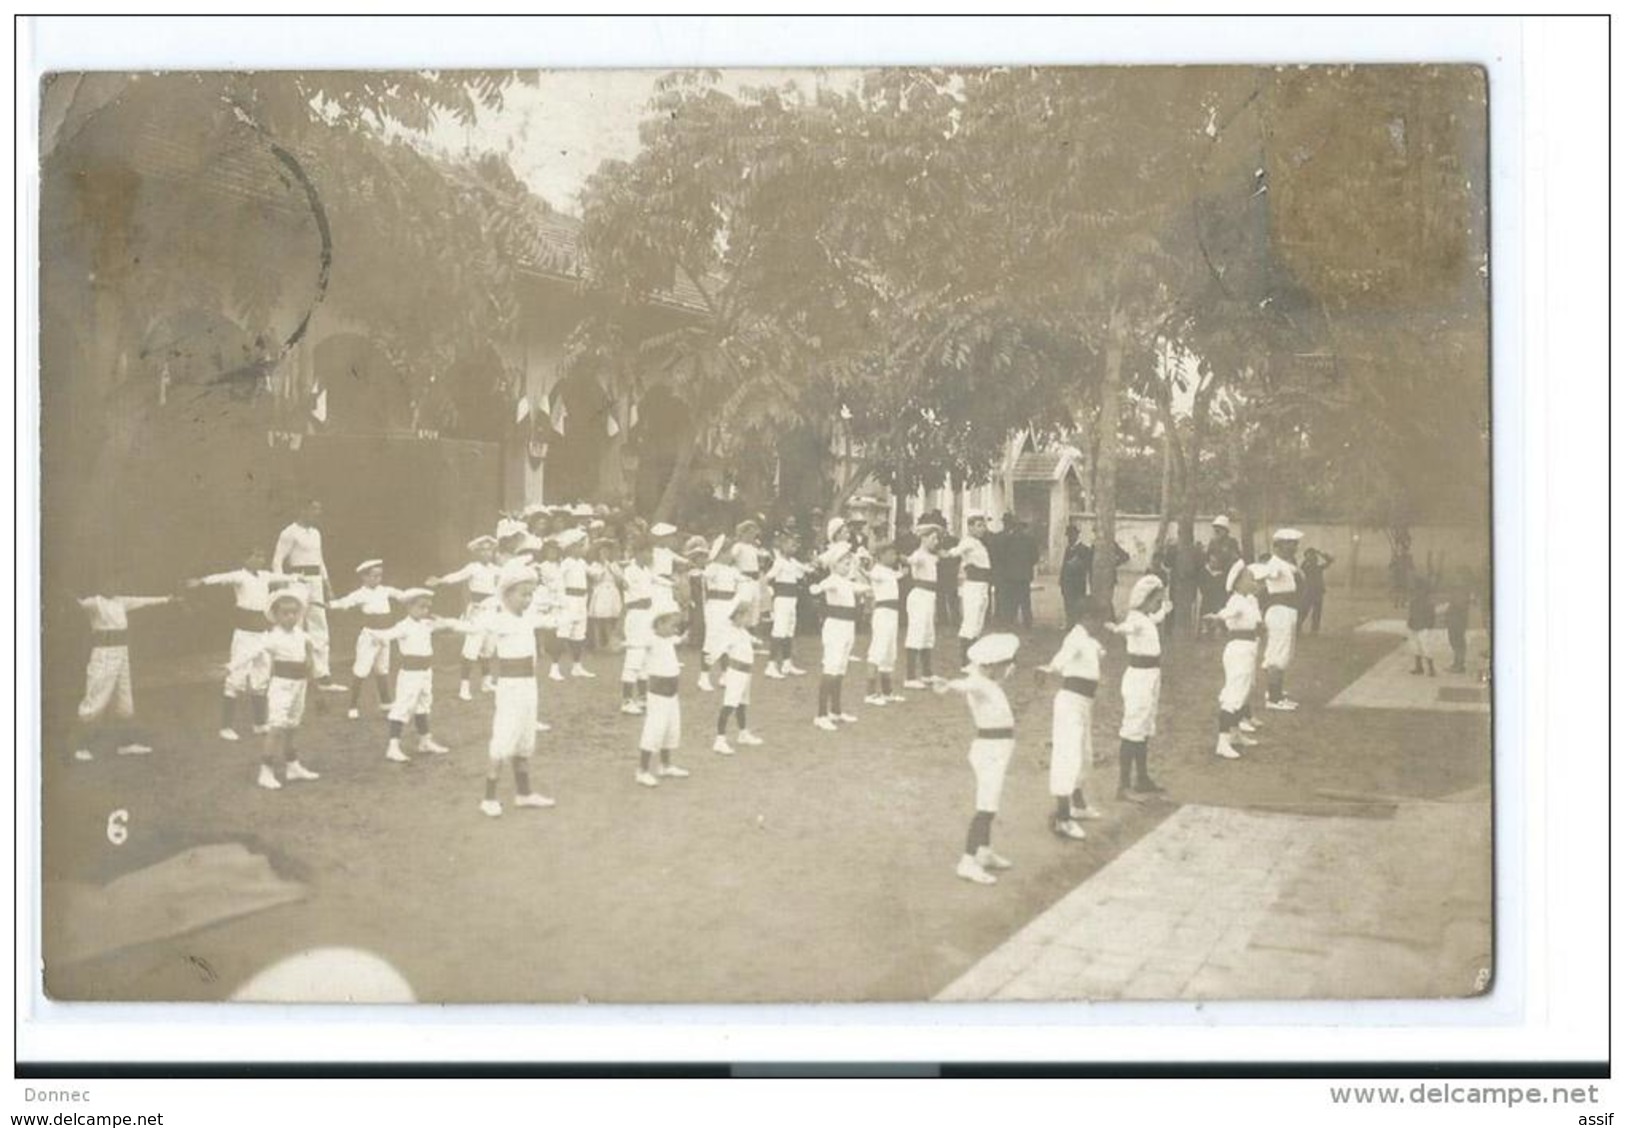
(1084, 687)
(516, 667)
(639, 604)
(750, 575)
(252, 621)
(378, 620)
(737, 664)
(841, 614)
(307, 569)
(975, 574)
(1250, 634)
(718, 596)
(1280, 599)
(109, 638)
(578, 592)
(995, 734)
(288, 671)
(417, 661)
(924, 585)
(1144, 661)
(663, 687)
(782, 590)
(888, 605)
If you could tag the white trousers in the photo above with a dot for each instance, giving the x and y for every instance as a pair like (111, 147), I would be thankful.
(839, 637)
(662, 724)
(883, 639)
(784, 616)
(573, 618)
(990, 759)
(1281, 634)
(639, 630)
(1141, 690)
(1240, 668)
(414, 694)
(922, 619)
(716, 627)
(1071, 742)
(478, 615)
(285, 702)
(245, 674)
(513, 721)
(107, 684)
(973, 599)
(371, 655)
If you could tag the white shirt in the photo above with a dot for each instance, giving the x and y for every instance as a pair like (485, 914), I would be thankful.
(989, 707)
(740, 647)
(110, 612)
(748, 559)
(253, 589)
(665, 564)
(884, 581)
(416, 636)
(1079, 656)
(299, 546)
(481, 577)
(512, 636)
(373, 599)
(661, 660)
(1140, 631)
(285, 645)
(1240, 612)
(974, 553)
(639, 581)
(573, 577)
(838, 591)
(922, 565)
(721, 578)
(1280, 576)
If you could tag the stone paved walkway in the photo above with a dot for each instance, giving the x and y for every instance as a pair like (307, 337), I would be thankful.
(1220, 903)
(1389, 684)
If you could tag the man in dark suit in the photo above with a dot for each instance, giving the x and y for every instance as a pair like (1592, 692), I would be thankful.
(1020, 558)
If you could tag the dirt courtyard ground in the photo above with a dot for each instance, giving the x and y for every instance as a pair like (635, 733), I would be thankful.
(815, 868)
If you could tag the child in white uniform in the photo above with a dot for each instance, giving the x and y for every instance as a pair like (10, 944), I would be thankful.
(293, 664)
(990, 661)
(480, 574)
(510, 639)
(840, 590)
(1241, 618)
(721, 592)
(375, 601)
(921, 639)
(784, 578)
(604, 602)
(575, 581)
(748, 559)
(975, 582)
(738, 659)
(1142, 685)
(663, 719)
(252, 586)
(1071, 729)
(884, 579)
(1279, 573)
(414, 684)
(107, 674)
(637, 576)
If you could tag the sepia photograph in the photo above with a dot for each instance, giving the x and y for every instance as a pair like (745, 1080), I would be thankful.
(896, 534)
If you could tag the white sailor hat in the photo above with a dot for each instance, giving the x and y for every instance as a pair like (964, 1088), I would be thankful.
(366, 564)
(571, 537)
(1235, 573)
(484, 540)
(1221, 522)
(514, 573)
(1287, 535)
(581, 509)
(990, 650)
(974, 515)
(411, 594)
(924, 526)
(508, 527)
(1143, 587)
(293, 594)
(662, 529)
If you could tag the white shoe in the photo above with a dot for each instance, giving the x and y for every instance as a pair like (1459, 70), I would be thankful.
(464, 693)
(354, 714)
(393, 752)
(296, 770)
(1244, 740)
(631, 708)
(896, 698)
(555, 674)
(543, 726)
(747, 737)
(488, 684)
(1284, 705)
(987, 859)
(876, 699)
(1068, 829)
(133, 749)
(827, 724)
(914, 683)
(971, 871)
(721, 746)
(792, 669)
(1085, 813)
(331, 686)
(1248, 725)
(534, 799)
(261, 730)
(1225, 750)
(432, 746)
(705, 684)
(490, 807)
(647, 779)
(773, 672)
(268, 779)
(846, 718)
(229, 734)
(83, 755)
(671, 771)
(580, 671)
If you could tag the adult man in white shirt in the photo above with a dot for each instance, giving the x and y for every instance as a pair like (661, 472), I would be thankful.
(299, 552)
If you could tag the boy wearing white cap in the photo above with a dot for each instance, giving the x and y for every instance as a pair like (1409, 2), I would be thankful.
(252, 586)
(975, 581)
(840, 590)
(1279, 573)
(299, 551)
(414, 684)
(575, 578)
(1077, 663)
(988, 663)
(920, 641)
(637, 576)
(785, 577)
(738, 659)
(293, 663)
(480, 574)
(108, 688)
(663, 717)
(1240, 617)
(721, 591)
(1142, 685)
(510, 638)
(884, 583)
(749, 559)
(663, 557)
(371, 656)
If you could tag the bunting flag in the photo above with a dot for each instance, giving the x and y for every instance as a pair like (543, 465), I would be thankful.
(524, 409)
(318, 409)
(632, 415)
(610, 425)
(558, 413)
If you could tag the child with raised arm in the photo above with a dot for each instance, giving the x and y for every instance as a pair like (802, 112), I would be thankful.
(884, 580)
(293, 666)
(1142, 685)
(1242, 619)
(840, 590)
(252, 585)
(414, 684)
(109, 700)
(738, 660)
(663, 719)
(921, 638)
(376, 602)
(1077, 663)
(480, 574)
(989, 661)
(510, 640)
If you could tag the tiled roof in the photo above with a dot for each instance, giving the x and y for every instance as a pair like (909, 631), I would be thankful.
(1043, 466)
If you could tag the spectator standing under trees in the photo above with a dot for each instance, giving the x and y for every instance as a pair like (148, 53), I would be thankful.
(1076, 563)
(1313, 567)
(1019, 552)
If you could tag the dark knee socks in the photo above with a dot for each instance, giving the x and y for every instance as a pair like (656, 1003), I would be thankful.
(980, 833)
(228, 711)
(420, 722)
(722, 719)
(260, 708)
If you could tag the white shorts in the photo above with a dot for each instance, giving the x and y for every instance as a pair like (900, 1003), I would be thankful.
(990, 759)
(922, 619)
(107, 684)
(973, 599)
(478, 615)
(1071, 741)
(716, 627)
(247, 674)
(735, 687)
(371, 655)
(750, 594)
(784, 616)
(662, 724)
(414, 694)
(839, 637)
(640, 626)
(513, 722)
(1281, 634)
(285, 703)
(883, 639)
(1240, 667)
(573, 619)
(1142, 688)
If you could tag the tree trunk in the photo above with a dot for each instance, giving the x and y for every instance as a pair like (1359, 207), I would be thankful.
(1103, 583)
(679, 479)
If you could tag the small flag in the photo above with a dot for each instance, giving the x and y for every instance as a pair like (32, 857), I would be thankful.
(632, 414)
(319, 408)
(613, 427)
(524, 409)
(559, 413)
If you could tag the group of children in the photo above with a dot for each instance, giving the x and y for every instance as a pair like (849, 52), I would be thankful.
(533, 592)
